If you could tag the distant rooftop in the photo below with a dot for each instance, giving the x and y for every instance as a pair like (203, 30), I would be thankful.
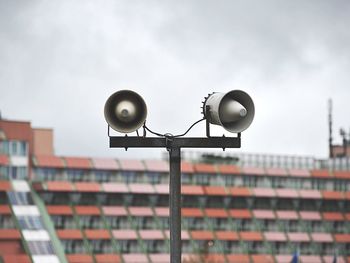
(270, 160)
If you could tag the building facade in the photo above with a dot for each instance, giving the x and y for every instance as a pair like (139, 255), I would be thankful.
(253, 208)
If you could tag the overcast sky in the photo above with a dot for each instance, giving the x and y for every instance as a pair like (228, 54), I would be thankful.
(60, 61)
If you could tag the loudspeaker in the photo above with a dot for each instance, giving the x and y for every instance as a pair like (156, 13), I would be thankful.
(125, 111)
(234, 110)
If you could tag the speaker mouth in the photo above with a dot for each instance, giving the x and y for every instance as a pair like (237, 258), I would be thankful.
(125, 111)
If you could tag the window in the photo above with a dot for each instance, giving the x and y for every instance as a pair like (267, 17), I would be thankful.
(201, 179)
(102, 176)
(128, 177)
(4, 172)
(73, 246)
(7, 222)
(101, 246)
(75, 175)
(4, 147)
(40, 247)
(17, 172)
(249, 181)
(186, 178)
(91, 222)
(63, 222)
(46, 174)
(20, 198)
(30, 222)
(153, 177)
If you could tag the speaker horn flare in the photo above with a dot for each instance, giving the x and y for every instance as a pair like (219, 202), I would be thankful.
(234, 110)
(125, 111)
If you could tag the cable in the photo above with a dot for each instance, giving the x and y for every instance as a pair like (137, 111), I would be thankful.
(169, 135)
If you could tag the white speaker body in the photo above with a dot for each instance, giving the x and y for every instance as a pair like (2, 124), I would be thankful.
(234, 110)
(125, 111)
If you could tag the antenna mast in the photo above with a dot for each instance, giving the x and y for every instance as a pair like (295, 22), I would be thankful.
(330, 122)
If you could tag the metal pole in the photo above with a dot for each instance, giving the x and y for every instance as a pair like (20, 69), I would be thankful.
(175, 204)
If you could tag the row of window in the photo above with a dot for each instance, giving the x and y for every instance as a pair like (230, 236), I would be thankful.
(14, 148)
(75, 175)
(227, 202)
(199, 223)
(13, 172)
(203, 247)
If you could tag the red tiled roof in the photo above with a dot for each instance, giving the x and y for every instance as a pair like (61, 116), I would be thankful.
(228, 169)
(114, 211)
(290, 215)
(87, 187)
(299, 172)
(310, 194)
(77, 163)
(191, 212)
(162, 211)
(141, 189)
(213, 258)
(157, 166)
(4, 160)
(332, 195)
(202, 235)
(214, 190)
(275, 236)
(107, 258)
(161, 188)
(140, 211)
(240, 213)
(333, 216)
(263, 214)
(253, 170)
(329, 259)
(49, 161)
(342, 238)
(264, 192)
(5, 210)
(276, 172)
(79, 258)
(159, 258)
(131, 165)
(298, 237)
(87, 210)
(186, 167)
(184, 234)
(105, 164)
(226, 235)
(240, 191)
(124, 234)
(69, 234)
(204, 168)
(6, 234)
(251, 236)
(320, 173)
(310, 259)
(321, 237)
(287, 193)
(216, 212)
(135, 258)
(262, 258)
(308, 215)
(342, 174)
(241, 258)
(284, 258)
(192, 190)
(59, 210)
(151, 234)
(59, 186)
(115, 188)
(16, 258)
(5, 186)
(97, 234)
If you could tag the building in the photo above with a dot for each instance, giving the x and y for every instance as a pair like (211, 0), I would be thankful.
(250, 208)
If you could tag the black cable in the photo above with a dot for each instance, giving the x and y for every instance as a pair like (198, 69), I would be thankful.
(169, 135)
(180, 135)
